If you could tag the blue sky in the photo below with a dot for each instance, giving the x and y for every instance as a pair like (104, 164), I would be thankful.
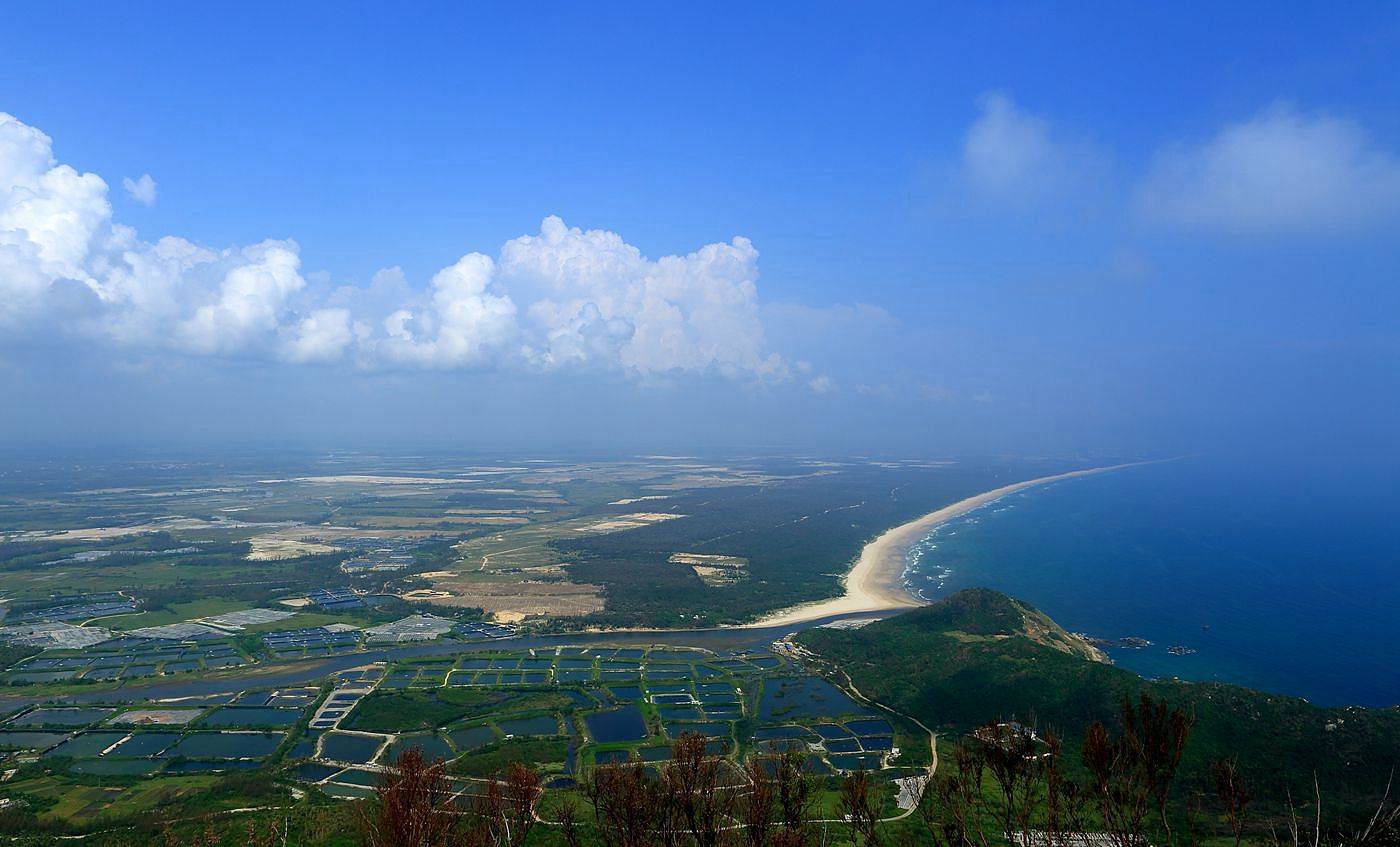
(1015, 227)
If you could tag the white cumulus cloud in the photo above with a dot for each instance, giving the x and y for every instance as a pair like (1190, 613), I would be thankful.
(564, 299)
(603, 302)
(48, 211)
(321, 336)
(142, 190)
(1280, 171)
(463, 322)
(248, 304)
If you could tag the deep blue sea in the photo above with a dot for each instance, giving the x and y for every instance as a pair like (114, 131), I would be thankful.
(1286, 580)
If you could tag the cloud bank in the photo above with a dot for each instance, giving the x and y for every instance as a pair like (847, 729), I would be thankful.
(1281, 171)
(563, 299)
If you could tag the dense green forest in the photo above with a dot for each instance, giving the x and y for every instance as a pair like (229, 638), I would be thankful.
(799, 536)
(979, 655)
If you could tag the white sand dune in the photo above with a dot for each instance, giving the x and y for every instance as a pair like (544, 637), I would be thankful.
(875, 583)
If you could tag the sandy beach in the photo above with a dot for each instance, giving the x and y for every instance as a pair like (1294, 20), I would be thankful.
(875, 583)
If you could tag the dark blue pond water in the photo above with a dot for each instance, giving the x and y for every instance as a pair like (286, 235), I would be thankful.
(623, 724)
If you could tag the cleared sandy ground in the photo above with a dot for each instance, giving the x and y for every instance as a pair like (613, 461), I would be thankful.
(104, 533)
(512, 601)
(270, 548)
(875, 583)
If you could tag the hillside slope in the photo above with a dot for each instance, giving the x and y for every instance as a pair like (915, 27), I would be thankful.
(979, 655)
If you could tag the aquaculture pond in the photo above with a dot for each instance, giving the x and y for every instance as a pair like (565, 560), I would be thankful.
(226, 745)
(472, 737)
(116, 767)
(41, 676)
(210, 767)
(355, 776)
(578, 698)
(60, 717)
(709, 729)
(857, 761)
(696, 692)
(314, 771)
(870, 727)
(542, 725)
(354, 749)
(804, 697)
(767, 733)
(29, 739)
(86, 744)
(251, 716)
(431, 746)
(624, 724)
(145, 744)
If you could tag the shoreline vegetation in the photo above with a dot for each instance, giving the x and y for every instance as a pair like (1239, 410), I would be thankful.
(978, 655)
(875, 582)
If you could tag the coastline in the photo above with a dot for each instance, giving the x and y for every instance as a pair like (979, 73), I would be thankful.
(876, 582)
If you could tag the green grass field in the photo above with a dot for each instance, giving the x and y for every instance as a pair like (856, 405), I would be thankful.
(417, 709)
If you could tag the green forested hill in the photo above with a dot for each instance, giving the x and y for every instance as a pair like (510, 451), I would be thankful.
(979, 655)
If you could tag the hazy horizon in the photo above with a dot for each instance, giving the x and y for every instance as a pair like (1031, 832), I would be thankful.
(888, 229)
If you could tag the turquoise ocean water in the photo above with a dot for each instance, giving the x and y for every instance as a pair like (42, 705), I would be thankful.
(1286, 580)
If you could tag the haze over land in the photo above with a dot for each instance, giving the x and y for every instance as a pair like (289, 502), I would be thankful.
(440, 243)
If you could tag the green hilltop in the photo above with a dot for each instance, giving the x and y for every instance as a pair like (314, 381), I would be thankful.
(979, 656)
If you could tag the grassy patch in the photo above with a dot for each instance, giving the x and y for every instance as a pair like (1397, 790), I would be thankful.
(416, 709)
(539, 752)
(176, 613)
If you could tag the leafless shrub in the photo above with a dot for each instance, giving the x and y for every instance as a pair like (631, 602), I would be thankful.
(630, 809)
(568, 821)
(412, 806)
(1014, 759)
(1132, 773)
(757, 807)
(1158, 734)
(1232, 793)
(860, 806)
(796, 797)
(693, 781)
(955, 807)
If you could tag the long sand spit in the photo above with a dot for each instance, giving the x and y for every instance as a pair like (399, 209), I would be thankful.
(876, 582)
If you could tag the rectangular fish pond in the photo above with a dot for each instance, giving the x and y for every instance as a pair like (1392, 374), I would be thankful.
(433, 747)
(351, 749)
(804, 697)
(542, 725)
(226, 745)
(251, 716)
(624, 724)
(45, 716)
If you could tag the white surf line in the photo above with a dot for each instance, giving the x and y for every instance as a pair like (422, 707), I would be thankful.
(874, 583)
